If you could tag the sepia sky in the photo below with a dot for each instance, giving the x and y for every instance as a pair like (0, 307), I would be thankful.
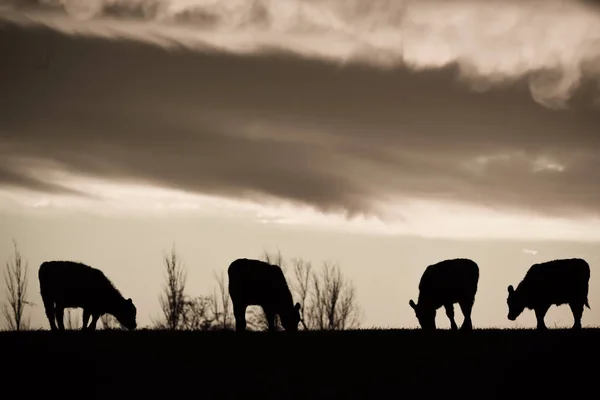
(382, 135)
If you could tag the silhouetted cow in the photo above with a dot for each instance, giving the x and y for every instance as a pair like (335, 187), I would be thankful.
(68, 284)
(555, 282)
(443, 284)
(254, 282)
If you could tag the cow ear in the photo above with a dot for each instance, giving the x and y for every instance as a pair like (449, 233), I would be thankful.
(297, 307)
(511, 289)
(129, 301)
(412, 304)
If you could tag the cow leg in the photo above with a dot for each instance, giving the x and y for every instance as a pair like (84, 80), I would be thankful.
(240, 318)
(60, 316)
(95, 318)
(49, 308)
(450, 313)
(540, 313)
(466, 307)
(577, 310)
(270, 315)
(85, 318)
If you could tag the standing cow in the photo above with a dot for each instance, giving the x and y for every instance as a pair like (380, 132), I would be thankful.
(254, 282)
(68, 284)
(556, 282)
(443, 284)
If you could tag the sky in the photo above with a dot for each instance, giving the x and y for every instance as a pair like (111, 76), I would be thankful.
(382, 135)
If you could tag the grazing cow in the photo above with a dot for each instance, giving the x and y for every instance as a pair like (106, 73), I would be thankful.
(68, 284)
(254, 282)
(556, 282)
(443, 284)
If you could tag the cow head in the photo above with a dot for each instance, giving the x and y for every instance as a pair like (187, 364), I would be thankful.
(515, 303)
(425, 315)
(290, 320)
(126, 314)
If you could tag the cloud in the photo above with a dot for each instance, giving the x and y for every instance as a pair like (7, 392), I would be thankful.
(20, 173)
(530, 251)
(269, 127)
(16, 179)
(554, 44)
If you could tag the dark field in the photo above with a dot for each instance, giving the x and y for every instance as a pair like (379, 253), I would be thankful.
(483, 364)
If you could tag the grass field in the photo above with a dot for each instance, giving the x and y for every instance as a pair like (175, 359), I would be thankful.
(375, 364)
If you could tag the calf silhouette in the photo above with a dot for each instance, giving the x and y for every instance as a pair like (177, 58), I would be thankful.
(68, 284)
(556, 282)
(254, 282)
(443, 284)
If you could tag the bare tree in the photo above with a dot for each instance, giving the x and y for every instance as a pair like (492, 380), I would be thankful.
(274, 259)
(328, 298)
(303, 275)
(222, 309)
(333, 303)
(172, 300)
(15, 277)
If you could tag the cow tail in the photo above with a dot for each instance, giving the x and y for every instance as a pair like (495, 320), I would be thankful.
(587, 304)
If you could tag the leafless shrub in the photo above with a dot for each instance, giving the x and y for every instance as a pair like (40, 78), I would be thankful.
(16, 280)
(328, 299)
(256, 320)
(73, 320)
(197, 314)
(332, 304)
(184, 312)
(109, 322)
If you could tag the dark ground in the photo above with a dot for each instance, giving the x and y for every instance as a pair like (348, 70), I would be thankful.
(485, 364)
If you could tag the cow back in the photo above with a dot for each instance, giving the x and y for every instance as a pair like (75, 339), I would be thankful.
(254, 282)
(74, 284)
(449, 281)
(556, 281)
